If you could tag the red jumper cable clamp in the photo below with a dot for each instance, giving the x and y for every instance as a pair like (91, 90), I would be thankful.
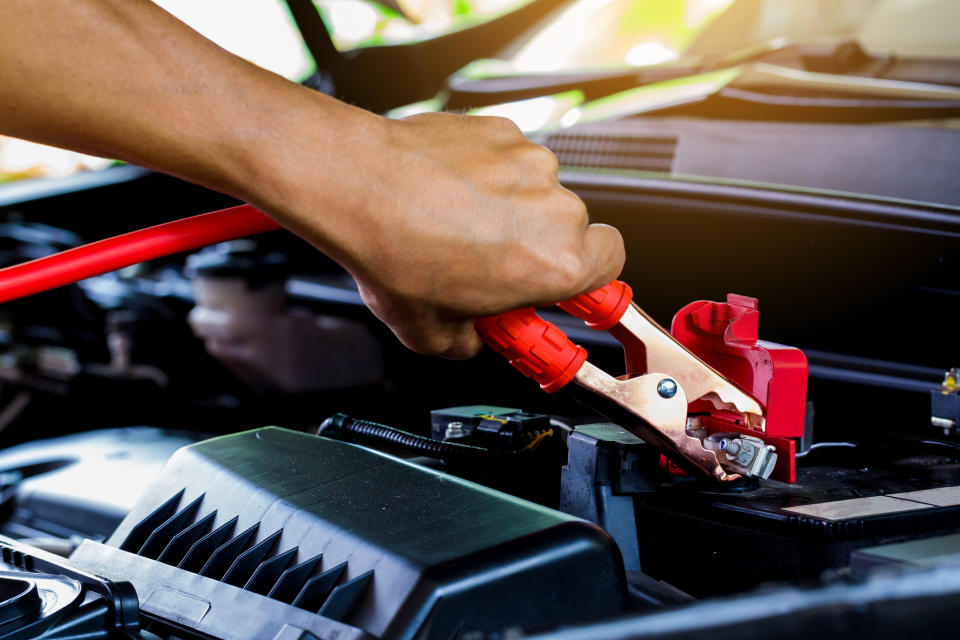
(668, 396)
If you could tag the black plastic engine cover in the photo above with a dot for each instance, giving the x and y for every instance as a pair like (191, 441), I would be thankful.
(366, 540)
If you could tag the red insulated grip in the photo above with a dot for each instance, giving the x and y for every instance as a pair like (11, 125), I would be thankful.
(601, 308)
(535, 347)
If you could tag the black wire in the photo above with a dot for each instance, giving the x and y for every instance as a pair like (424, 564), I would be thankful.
(343, 427)
(825, 445)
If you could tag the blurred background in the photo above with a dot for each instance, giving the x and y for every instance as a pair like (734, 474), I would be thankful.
(264, 32)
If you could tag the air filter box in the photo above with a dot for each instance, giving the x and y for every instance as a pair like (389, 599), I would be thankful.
(273, 532)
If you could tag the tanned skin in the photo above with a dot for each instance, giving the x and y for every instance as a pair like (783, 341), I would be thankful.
(440, 218)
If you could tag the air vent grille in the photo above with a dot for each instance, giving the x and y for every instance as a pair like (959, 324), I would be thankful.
(183, 538)
(651, 152)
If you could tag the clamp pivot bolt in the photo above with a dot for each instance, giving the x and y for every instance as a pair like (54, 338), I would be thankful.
(667, 388)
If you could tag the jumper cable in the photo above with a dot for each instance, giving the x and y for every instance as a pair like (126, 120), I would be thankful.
(110, 254)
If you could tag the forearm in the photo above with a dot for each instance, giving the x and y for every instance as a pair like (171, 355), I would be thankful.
(124, 79)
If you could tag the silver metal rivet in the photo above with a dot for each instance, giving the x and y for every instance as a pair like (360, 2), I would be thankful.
(455, 430)
(667, 388)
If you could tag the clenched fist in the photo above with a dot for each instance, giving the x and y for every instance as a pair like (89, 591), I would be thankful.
(463, 217)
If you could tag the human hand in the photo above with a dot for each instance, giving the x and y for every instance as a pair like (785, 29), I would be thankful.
(464, 217)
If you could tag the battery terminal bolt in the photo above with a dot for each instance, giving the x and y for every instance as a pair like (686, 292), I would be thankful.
(748, 455)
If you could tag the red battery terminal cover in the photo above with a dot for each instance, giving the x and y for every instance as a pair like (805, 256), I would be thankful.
(725, 336)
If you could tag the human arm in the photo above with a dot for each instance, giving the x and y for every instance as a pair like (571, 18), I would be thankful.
(440, 218)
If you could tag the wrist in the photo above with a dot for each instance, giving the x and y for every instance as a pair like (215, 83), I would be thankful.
(311, 165)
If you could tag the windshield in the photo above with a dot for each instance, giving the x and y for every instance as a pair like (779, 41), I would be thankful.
(647, 32)
(594, 33)
(363, 23)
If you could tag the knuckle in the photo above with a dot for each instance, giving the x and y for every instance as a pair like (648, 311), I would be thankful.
(578, 208)
(429, 344)
(571, 207)
(502, 125)
(542, 161)
(547, 159)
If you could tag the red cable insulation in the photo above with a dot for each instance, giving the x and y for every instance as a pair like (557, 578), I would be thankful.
(111, 254)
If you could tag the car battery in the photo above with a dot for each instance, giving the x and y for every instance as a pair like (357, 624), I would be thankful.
(711, 541)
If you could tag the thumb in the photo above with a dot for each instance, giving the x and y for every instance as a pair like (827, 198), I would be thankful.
(603, 246)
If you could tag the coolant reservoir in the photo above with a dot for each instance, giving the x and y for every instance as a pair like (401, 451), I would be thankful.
(245, 322)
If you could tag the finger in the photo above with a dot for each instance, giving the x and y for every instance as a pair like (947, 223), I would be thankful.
(455, 339)
(465, 342)
(603, 245)
(574, 204)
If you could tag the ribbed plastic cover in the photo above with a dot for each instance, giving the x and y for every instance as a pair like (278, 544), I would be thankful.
(364, 538)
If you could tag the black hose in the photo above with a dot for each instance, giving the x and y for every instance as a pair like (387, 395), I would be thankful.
(343, 427)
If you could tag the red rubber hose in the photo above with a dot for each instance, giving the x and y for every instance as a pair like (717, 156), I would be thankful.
(121, 251)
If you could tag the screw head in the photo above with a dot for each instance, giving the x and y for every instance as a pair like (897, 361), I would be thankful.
(455, 430)
(667, 388)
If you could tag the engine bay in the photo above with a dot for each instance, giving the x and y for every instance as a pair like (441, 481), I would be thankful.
(301, 475)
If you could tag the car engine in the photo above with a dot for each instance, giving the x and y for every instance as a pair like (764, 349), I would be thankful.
(752, 434)
(379, 507)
